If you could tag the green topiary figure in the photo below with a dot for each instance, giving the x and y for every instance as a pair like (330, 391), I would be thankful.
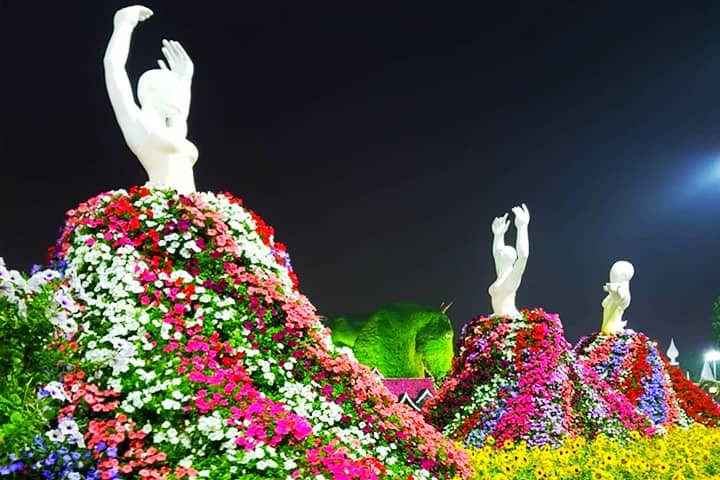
(401, 340)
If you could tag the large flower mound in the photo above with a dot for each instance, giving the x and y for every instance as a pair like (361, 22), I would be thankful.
(519, 380)
(198, 357)
(632, 364)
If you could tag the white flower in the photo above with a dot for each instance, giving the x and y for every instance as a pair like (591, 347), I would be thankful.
(56, 391)
(55, 436)
(68, 426)
(267, 463)
(169, 404)
(172, 436)
(68, 326)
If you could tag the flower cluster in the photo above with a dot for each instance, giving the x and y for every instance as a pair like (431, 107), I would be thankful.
(52, 459)
(36, 323)
(694, 401)
(517, 379)
(37, 331)
(692, 453)
(632, 364)
(198, 356)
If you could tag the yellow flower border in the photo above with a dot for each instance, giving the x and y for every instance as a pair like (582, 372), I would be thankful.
(692, 453)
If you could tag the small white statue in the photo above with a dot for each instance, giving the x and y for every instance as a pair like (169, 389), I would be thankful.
(156, 131)
(707, 373)
(509, 263)
(617, 299)
(673, 353)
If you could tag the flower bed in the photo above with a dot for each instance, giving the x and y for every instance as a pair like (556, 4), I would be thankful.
(519, 380)
(632, 364)
(680, 454)
(198, 357)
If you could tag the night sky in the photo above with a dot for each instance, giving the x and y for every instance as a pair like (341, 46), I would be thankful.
(380, 142)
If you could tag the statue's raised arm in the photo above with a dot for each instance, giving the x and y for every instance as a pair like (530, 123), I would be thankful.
(155, 130)
(510, 262)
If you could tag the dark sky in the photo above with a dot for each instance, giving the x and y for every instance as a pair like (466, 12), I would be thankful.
(380, 141)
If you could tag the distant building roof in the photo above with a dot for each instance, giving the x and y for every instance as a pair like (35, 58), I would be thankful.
(411, 391)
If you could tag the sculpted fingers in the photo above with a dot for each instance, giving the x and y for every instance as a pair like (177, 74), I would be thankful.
(181, 50)
(170, 59)
(144, 13)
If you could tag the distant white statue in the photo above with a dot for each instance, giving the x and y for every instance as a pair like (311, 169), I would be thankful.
(673, 353)
(707, 373)
(156, 131)
(509, 263)
(617, 299)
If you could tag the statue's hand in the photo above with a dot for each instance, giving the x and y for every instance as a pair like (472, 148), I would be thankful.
(522, 216)
(500, 225)
(178, 60)
(131, 15)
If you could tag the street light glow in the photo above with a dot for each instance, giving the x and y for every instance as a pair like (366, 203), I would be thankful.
(712, 356)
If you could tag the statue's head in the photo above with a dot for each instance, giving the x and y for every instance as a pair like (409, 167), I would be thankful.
(504, 260)
(621, 271)
(162, 91)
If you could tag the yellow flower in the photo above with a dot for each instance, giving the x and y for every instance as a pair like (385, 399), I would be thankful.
(680, 453)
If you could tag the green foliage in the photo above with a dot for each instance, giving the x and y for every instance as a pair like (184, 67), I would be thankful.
(716, 320)
(27, 362)
(401, 340)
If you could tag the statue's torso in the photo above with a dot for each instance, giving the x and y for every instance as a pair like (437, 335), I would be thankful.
(168, 162)
(614, 306)
(503, 301)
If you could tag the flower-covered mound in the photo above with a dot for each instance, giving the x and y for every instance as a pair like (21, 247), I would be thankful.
(196, 356)
(692, 453)
(518, 379)
(632, 364)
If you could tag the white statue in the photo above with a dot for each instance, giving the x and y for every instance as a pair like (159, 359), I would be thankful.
(673, 353)
(617, 299)
(156, 131)
(707, 373)
(509, 263)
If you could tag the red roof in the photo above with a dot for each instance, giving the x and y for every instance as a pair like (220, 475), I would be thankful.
(412, 386)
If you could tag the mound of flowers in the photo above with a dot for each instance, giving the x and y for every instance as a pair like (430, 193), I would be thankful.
(196, 356)
(516, 380)
(632, 364)
(692, 453)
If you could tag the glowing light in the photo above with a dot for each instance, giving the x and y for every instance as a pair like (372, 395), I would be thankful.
(712, 356)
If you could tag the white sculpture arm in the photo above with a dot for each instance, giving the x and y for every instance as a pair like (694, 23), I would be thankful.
(522, 243)
(522, 247)
(180, 63)
(127, 113)
(499, 227)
